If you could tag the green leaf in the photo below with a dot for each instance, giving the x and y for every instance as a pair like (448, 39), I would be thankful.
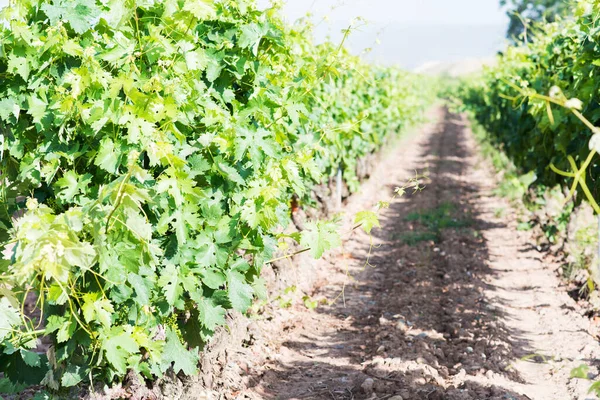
(580, 372)
(37, 109)
(9, 106)
(18, 65)
(141, 287)
(595, 388)
(230, 173)
(66, 331)
(319, 237)
(117, 347)
(138, 225)
(107, 158)
(97, 309)
(31, 358)
(201, 9)
(72, 184)
(367, 220)
(238, 291)
(73, 375)
(82, 15)
(210, 315)
(170, 283)
(213, 279)
(9, 318)
(177, 356)
(251, 36)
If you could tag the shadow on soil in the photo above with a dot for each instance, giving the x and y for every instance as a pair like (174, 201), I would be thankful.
(421, 327)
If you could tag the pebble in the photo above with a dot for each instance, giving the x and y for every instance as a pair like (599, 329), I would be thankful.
(469, 349)
(402, 326)
(367, 385)
(397, 397)
(381, 349)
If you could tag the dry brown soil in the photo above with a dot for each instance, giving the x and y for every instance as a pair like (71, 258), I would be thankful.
(454, 303)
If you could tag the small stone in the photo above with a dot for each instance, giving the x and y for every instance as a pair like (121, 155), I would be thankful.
(446, 276)
(436, 250)
(367, 386)
(402, 326)
(469, 349)
(380, 349)
(397, 397)
(420, 381)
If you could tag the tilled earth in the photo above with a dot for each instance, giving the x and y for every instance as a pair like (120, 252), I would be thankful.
(448, 300)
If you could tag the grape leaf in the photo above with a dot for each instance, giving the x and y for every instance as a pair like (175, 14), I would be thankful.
(9, 318)
(238, 291)
(107, 158)
(367, 220)
(319, 237)
(82, 15)
(31, 358)
(210, 315)
(177, 356)
(170, 283)
(73, 375)
(118, 346)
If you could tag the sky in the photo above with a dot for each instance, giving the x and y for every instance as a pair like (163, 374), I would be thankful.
(408, 33)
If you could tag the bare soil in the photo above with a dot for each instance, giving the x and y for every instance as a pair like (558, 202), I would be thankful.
(448, 300)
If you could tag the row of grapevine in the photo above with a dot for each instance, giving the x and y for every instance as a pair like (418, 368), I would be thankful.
(150, 150)
(540, 103)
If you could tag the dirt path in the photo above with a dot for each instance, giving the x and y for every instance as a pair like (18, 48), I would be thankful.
(457, 304)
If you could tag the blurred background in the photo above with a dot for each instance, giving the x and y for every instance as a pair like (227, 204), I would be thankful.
(425, 35)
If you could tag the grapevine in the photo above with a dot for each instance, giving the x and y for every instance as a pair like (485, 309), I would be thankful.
(149, 152)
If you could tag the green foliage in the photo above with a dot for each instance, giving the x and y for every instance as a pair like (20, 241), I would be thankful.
(159, 144)
(522, 13)
(516, 102)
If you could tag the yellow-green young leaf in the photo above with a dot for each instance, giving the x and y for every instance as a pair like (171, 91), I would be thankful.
(9, 318)
(367, 220)
(118, 346)
(580, 372)
(97, 309)
(320, 236)
(107, 158)
(201, 9)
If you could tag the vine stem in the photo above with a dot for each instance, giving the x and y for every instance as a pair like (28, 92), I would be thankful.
(578, 173)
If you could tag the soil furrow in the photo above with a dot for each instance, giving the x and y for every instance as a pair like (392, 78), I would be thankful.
(450, 302)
